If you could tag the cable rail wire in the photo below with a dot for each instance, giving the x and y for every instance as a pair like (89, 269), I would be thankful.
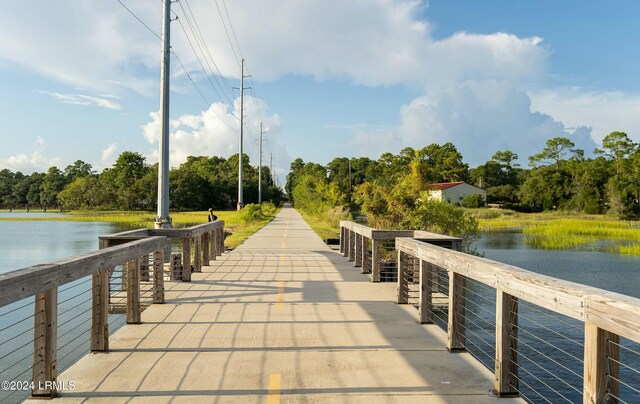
(550, 345)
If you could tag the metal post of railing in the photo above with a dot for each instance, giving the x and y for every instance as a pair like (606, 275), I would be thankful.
(506, 363)
(45, 343)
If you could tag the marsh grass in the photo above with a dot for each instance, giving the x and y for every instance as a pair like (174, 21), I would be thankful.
(561, 230)
(234, 224)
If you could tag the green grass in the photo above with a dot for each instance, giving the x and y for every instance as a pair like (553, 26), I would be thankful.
(559, 230)
(322, 227)
(233, 223)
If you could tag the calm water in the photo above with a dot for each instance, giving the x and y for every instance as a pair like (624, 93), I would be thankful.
(615, 272)
(26, 243)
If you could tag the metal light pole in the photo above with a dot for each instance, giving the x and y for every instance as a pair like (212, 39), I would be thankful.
(163, 220)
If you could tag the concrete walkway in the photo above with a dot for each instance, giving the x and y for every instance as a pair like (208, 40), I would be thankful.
(281, 318)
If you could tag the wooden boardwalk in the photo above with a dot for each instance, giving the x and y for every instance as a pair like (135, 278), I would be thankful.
(282, 318)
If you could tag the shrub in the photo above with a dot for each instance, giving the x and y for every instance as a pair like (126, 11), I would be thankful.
(473, 201)
(251, 212)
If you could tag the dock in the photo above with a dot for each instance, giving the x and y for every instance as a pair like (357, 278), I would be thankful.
(282, 318)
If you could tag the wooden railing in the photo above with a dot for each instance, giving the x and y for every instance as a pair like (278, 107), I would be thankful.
(205, 240)
(43, 281)
(607, 316)
(130, 251)
(363, 245)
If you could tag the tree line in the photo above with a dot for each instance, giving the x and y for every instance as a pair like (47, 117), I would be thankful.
(392, 191)
(559, 177)
(132, 184)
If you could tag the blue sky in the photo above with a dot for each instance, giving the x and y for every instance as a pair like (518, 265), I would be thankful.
(79, 79)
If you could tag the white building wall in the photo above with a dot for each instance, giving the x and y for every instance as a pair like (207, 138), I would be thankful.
(459, 192)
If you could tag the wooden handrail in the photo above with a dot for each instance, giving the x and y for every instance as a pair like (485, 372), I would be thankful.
(22, 283)
(607, 316)
(612, 311)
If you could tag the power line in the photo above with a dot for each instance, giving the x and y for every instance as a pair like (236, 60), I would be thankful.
(198, 58)
(224, 5)
(227, 32)
(201, 39)
(139, 20)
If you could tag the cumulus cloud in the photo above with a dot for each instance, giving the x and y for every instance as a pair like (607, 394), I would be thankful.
(215, 132)
(108, 154)
(604, 111)
(479, 118)
(324, 39)
(82, 99)
(28, 162)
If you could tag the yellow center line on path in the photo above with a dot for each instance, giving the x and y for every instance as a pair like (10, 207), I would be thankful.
(274, 389)
(280, 303)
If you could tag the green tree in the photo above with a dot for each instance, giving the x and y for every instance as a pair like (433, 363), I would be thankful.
(555, 151)
(52, 183)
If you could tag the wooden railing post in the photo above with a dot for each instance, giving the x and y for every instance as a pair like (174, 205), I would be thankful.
(186, 259)
(100, 311)
(144, 269)
(45, 335)
(352, 245)
(425, 308)
(341, 240)
(506, 365)
(133, 292)
(357, 262)
(100, 307)
(158, 277)
(220, 240)
(403, 284)
(376, 261)
(197, 256)
(455, 329)
(366, 244)
(600, 373)
(205, 248)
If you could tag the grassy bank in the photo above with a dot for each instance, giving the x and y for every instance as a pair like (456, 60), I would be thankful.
(558, 231)
(321, 226)
(233, 222)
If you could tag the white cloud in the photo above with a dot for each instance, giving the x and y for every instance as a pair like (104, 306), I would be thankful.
(82, 99)
(480, 118)
(214, 132)
(28, 162)
(374, 43)
(107, 156)
(604, 111)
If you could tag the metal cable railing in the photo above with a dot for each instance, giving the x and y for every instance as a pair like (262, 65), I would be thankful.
(555, 341)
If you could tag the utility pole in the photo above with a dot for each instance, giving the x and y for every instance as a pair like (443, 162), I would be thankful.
(260, 167)
(163, 220)
(271, 166)
(242, 88)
